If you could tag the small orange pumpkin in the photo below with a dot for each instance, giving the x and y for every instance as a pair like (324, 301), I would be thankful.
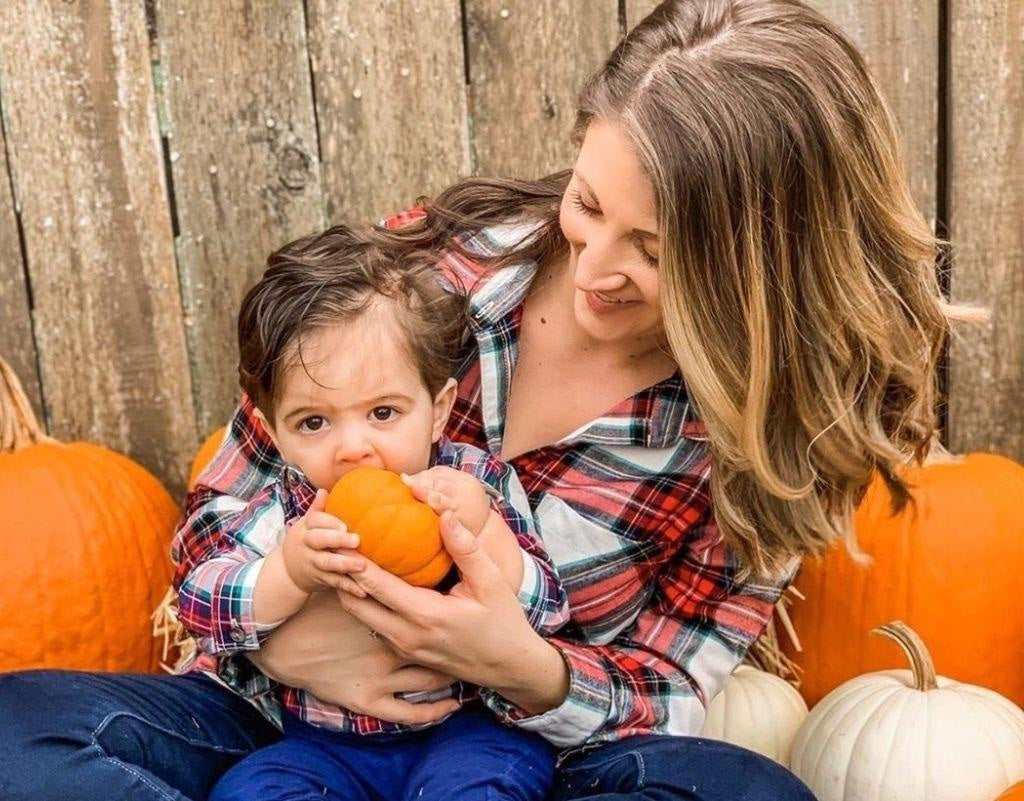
(205, 454)
(86, 556)
(396, 531)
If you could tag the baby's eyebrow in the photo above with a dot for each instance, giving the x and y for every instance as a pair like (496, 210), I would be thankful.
(391, 396)
(300, 410)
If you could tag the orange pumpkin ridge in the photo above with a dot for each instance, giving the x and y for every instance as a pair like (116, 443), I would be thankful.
(396, 531)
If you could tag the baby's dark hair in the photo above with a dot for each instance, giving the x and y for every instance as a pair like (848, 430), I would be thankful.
(336, 276)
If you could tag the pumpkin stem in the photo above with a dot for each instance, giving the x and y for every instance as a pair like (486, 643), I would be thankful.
(18, 425)
(915, 649)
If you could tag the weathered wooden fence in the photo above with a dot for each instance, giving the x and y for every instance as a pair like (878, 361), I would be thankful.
(153, 151)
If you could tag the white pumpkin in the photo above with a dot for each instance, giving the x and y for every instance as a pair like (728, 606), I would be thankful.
(909, 735)
(756, 710)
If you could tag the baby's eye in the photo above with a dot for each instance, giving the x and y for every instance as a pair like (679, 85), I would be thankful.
(383, 414)
(312, 424)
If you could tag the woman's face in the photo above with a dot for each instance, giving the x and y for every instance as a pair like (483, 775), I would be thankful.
(608, 216)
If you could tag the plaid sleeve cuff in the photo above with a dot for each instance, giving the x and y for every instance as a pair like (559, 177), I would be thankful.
(231, 625)
(532, 586)
(583, 712)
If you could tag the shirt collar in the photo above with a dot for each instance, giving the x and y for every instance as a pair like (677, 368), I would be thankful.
(656, 417)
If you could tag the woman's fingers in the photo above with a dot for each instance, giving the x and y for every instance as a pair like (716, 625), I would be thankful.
(398, 711)
(392, 627)
(345, 584)
(416, 679)
(479, 572)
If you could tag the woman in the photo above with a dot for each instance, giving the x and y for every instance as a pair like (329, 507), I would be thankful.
(695, 348)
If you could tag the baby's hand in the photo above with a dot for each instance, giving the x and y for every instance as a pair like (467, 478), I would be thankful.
(317, 549)
(444, 489)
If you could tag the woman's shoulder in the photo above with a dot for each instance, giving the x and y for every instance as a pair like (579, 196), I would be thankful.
(468, 259)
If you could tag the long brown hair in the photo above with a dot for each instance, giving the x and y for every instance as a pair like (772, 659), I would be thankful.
(799, 293)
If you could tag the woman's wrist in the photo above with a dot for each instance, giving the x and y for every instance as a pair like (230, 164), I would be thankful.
(539, 680)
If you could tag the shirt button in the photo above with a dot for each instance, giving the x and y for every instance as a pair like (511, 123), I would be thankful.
(237, 635)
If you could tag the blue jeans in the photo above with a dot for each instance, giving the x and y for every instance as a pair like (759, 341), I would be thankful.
(99, 737)
(470, 756)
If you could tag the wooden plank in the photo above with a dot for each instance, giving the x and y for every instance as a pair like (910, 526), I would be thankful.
(85, 155)
(900, 42)
(636, 10)
(527, 61)
(17, 344)
(391, 102)
(235, 85)
(986, 199)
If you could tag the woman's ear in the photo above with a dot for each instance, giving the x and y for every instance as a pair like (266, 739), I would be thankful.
(443, 403)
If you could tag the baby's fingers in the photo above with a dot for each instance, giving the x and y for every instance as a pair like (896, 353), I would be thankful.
(329, 539)
(315, 519)
(440, 502)
(338, 563)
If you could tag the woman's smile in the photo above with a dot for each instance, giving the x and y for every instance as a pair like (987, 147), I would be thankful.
(603, 304)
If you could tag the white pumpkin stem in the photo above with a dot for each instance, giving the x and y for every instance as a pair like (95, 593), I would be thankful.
(915, 649)
(18, 425)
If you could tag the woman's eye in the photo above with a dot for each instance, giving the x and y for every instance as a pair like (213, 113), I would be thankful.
(577, 202)
(312, 424)
(652, 261)
(383, 414)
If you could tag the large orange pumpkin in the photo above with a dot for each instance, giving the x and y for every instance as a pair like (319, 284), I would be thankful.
(396, 531)
(1015, 793)
(205, 454)
(950, 566)
(85, 553)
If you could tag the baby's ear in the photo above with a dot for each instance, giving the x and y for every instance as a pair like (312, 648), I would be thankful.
(266, 426)
(444, 401)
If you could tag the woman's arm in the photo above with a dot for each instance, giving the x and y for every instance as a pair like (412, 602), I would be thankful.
(660, 673)
(478, 632)
(656, 676)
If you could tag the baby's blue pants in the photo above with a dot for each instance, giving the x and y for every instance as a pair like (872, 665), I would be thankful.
(470, 756)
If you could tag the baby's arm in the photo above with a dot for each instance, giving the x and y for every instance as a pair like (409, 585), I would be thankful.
(314, 554)
(236, 584)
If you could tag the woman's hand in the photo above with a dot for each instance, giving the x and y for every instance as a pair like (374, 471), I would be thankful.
(478, 632)
(327, 652)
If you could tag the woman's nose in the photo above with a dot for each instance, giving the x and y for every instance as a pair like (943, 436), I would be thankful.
(599, 264)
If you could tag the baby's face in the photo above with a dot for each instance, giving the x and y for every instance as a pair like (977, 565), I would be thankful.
(357, 402)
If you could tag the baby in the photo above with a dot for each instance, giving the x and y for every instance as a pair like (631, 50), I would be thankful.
(347, 351)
